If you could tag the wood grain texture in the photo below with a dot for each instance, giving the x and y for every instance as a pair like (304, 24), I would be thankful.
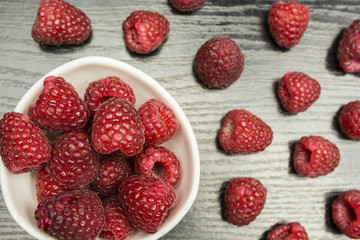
(290, 198)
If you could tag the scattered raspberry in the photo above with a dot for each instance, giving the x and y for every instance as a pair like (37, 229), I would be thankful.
(99, 91)
(348, 52)
(146, 201)
(72, 215)
(159, 122)
(46, 186)
(117, 126)
(59, 106)
(145, 31)
(73, 162)
(187, 5)
(287, 22)
(244, 200)
(60, 23)
(219, 62)
(315, 156)
(349, 120)
(23, 146)
(117, 226)
(111, 172)
(346, 213)
(288, 231)
(298, 91)
(160, 162)
(243, 132)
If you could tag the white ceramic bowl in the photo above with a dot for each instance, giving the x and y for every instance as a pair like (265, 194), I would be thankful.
(19, 190)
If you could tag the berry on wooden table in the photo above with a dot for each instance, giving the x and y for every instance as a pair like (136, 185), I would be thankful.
(315, 156)
(297, 91)
(245, 198)
(187, 5)
(145, 31)
(60, 23)
(349, 120)
(346, 213)
(288, 22)
(288, 231)
(348, 52)
(219, 62)
(243, 132)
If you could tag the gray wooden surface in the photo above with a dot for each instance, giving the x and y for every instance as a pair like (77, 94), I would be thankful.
(290, 198)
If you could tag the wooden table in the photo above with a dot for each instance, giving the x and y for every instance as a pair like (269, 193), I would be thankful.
(290, 197)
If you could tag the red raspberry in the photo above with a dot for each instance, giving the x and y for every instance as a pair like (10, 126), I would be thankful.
(244, 200)
(160, 162)
(117, 126)
(46, 186)
(159, 122)
(287, 22)
(146, 201)
(187, 5)
(23, 146)
(346, 213)
(349, 120)
(348, 52)
(72, 215)
(219, 62)
(59, 106)
(99, 91)
(60, 23)
(288, 231)
(298, 91)
(243, 132)
(145, 31)
(111, 172)
(117, 226)
(73, 162)
(315, 156)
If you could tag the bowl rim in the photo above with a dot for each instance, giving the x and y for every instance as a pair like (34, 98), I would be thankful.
(132, 71)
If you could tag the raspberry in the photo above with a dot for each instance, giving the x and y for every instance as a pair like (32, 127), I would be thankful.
(73, 162)
(99, 91)
(117, 126)
(298, 91)
(146, 201)
(219, 62)
(159, 122)
(111, 172)
(349, 120)
(244, 200)
(59, 106)
(288, 22)
(243, 132)
(348, 52)
(145, 31)
(23, 146)
(46, 186)
(60, 23)
(187, 5)
(72, 215)
(160, 162)
(315, 156)
(288, 231)
(346, 213)
(117, 226)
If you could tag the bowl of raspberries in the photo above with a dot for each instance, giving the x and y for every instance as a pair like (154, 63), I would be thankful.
(97, 149)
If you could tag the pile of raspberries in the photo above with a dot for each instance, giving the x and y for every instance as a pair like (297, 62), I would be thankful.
(107, 174)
